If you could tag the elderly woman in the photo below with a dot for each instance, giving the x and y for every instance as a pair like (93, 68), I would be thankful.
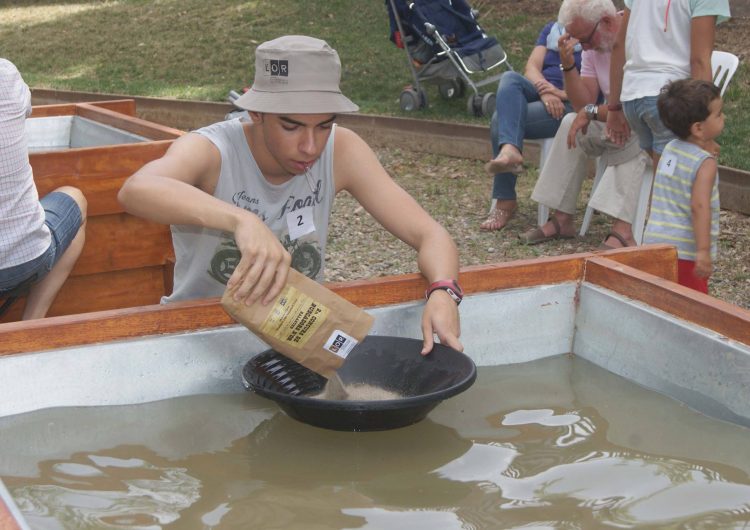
(528, 106)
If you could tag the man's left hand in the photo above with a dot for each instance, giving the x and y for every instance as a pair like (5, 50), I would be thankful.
(440, 317)
(617, 129)
(580, 123)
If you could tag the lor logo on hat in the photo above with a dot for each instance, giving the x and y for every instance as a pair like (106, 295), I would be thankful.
(277, 67)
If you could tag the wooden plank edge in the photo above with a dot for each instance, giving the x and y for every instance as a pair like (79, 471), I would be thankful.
(47, 111)
(103, 326)
(123, 106)
(71, 157)
(131, 124)
(659, 260)
(117, 324)
(724, 318)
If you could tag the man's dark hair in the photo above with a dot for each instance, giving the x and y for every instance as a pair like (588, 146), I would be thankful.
(685, 102)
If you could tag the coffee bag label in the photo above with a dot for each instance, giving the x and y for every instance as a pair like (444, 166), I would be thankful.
(340, 343)
(294, 317)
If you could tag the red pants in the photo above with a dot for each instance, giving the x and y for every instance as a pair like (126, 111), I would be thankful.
(686, 277)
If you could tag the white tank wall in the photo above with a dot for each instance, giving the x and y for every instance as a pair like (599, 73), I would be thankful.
(54, 133)
(506, 327)
(699, 367)
(650, 347)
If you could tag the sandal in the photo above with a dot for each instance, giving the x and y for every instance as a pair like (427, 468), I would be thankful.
(497, 219)
(536, 235)
(618, 237)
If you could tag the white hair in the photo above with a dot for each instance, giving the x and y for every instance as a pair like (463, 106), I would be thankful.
(588, 10)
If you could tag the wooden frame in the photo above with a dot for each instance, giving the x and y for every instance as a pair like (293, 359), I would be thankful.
(126, 265)
(645, 273)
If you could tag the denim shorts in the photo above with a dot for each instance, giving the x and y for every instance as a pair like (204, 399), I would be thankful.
(63, 217)
(643, 118)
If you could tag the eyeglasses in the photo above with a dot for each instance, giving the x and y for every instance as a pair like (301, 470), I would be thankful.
(587, 40)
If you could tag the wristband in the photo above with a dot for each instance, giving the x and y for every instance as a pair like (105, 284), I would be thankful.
(614, 107)
(449, 286)
(567, 68)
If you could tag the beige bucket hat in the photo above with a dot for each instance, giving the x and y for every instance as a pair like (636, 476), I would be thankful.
(296, 75)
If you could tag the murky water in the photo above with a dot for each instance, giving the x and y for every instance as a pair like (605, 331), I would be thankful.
(556, 443)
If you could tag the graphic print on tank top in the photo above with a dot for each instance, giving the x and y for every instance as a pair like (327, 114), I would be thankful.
(294, 225)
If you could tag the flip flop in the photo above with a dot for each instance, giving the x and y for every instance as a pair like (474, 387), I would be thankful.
(536, 235)
(618, 237)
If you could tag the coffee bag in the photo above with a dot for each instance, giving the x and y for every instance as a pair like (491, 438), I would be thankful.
(306, 322)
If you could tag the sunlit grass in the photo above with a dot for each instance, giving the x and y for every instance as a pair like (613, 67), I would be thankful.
(193, 49)
(22, 17)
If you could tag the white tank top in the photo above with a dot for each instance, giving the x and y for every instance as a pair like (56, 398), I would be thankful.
(297, 211)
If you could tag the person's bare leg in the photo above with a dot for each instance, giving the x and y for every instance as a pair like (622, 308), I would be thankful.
(499, 215)
(508, 159)
(566, 222)
(625, 230)
(42, 294)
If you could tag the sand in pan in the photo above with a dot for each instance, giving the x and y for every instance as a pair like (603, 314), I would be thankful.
(335, 389)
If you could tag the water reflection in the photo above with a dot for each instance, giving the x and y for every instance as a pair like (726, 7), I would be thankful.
(94, 492)
(553, 444)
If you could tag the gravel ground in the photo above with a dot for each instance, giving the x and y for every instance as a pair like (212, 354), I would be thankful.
(456, 192)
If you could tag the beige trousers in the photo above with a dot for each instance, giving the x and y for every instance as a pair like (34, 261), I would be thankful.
(563, 172)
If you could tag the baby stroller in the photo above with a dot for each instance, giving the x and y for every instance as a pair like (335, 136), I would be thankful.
(445, 45)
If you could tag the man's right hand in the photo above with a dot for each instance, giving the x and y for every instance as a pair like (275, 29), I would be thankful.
(703, 264)
(581, 123)
(264, 262)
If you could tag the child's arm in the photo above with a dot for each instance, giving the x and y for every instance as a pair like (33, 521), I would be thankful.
(700, 204)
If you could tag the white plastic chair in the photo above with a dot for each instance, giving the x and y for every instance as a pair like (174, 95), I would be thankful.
(542, 210)
(641, 212)
(723, 67)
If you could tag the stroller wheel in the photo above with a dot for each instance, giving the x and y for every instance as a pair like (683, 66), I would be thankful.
(411, 99)
(481, 105)
(488, 104)
(452, 88)
(474, 105)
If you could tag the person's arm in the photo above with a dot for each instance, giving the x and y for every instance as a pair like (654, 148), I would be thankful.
(534, 65)
(581, 90)
(700, 206)
(702, 31)
(551, 96)
(617, 130)
(358, 171)
(178, 189)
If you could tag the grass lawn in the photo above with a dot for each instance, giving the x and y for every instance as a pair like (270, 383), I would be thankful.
(195, 49)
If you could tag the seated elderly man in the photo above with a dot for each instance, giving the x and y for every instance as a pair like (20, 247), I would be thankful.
(593, 24)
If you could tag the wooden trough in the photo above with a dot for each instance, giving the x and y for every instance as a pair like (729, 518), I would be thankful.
(126, 261)
(620, 310)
